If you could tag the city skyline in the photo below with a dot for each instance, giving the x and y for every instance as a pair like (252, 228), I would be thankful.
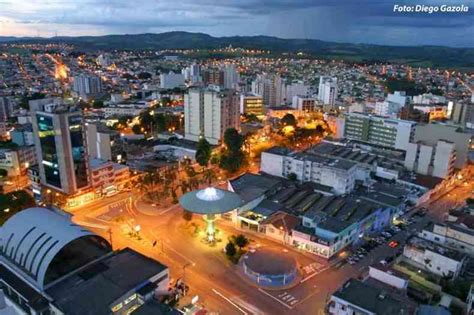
(366, 22)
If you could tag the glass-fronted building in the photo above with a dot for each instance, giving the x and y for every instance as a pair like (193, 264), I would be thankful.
(61, 148)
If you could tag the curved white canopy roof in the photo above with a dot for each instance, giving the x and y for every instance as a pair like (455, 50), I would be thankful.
(30, 240)
(210, 201)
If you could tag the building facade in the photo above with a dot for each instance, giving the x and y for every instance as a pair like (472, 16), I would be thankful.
(87, 85)
(251, 104)
(209, 114)
(61, 147)
(387, 132)
(327, 92)
(437, 161)
(338, 174)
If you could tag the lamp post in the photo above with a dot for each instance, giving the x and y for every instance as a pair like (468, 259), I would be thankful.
(137, 229)
(184, 272)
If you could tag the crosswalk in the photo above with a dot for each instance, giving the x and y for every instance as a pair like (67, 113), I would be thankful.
(312, 268)
(287, 298)
(116, 209)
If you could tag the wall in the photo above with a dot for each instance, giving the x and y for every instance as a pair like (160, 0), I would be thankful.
(388, 278)
(272, 164)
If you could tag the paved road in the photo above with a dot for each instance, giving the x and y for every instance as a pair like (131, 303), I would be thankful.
(211, 276)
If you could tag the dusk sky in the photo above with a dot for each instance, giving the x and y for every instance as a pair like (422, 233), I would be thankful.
(366, 21)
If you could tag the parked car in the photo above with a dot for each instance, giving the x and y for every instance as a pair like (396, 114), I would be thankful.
(393, 244)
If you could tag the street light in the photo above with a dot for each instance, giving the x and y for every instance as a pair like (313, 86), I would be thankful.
(137, 228)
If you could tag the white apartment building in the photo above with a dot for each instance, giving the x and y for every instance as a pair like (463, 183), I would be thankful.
(99, 145)
(383, 131)
(171, 80)
(387, 109)
(108, 177)
(86, 85)
(16, 160)
(437, 161)
(303, 103)
(293, 89)
(335, 173)
(433, 132)
(398, 97)
(231, 76)
(429, 99)
(434, 258)
(270, 87)
(122, 110)
(454, 236)
(327, 92)
(209, 113)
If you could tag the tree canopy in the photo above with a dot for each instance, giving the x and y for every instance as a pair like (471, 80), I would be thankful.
(203, 152)
(288, 120)
(233, 157)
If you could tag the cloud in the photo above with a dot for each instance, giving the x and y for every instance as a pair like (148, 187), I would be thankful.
(371, 21)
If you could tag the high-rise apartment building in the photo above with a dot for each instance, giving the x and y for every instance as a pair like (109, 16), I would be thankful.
(231, 76)
(307, 104)
(463, 114)
(213, 77)
(209, 114)
(171, 80)
(270, 87)
(387, 132)
(327, 92)
(61, 147)
(5, 109)
(87, 85)
(432, 133)
(251, 104)
(434, 160)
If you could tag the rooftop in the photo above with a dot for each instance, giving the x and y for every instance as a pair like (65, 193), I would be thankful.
(210, 201)
(251, 186)
(370, 298)
(423, 244)
(93, 290)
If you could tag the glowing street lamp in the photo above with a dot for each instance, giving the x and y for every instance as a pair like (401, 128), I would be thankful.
(137, 228)
(209, 202)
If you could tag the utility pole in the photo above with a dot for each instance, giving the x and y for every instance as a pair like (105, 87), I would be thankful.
(184, 272)
(110, 237)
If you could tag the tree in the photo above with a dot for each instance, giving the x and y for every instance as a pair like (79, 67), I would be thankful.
(231, 162)
(470, 201)
(3, 173)
(203, 152)
(233, 158)
(160, 122)
(241, 241)
(123, 120)
(136, 129)
(233, 140)
(146, 119)
(292, 176)
(252, 118)
(144, 75)
(288, 120)
(188, 216)
(230, 250)
(98, 104)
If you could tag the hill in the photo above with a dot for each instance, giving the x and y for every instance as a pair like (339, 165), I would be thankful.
(430, 56)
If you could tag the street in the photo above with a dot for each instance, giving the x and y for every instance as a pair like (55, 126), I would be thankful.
(168, 238)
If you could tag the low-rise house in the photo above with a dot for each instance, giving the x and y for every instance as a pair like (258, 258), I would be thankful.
(434, 258)
(356, 297)
(337, 173)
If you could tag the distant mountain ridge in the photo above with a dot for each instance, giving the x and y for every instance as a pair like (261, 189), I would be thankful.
(437, 56)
